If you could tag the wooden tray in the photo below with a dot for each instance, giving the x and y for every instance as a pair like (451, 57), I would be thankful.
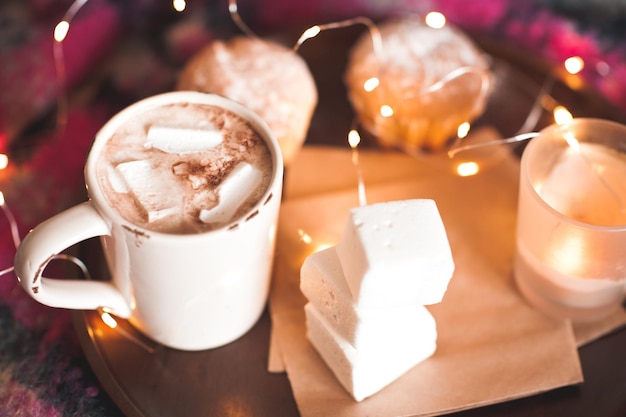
(233, 380)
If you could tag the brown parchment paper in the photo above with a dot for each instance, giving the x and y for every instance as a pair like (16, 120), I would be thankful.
(309, 176)
(588, 332)
(492, 345)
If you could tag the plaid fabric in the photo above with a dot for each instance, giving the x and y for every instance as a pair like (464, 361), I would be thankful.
(118, 51)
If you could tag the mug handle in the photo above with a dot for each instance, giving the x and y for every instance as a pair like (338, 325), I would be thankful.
(51, 237)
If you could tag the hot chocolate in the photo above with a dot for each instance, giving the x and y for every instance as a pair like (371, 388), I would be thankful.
(184, 168)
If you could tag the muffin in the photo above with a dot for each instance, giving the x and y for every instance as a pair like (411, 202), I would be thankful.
(271, 80)
(430, 82)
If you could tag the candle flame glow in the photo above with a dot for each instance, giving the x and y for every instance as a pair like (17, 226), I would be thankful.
(370, 84)
(4, 161)
(569, 256)
(572, 141)
(435, 20)
(562, 115)
(574, 64)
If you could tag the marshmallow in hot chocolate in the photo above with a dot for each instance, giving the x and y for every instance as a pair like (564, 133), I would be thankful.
(184, 168)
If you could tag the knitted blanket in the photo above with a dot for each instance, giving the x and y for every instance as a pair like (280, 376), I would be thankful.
(117, 52)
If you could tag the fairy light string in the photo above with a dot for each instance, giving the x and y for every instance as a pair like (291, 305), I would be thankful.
(573, 65)
(233, 10)
(61, 31)
(436, 20)
(59, 35)
(106, 317)
(543, 101)
(539, 105)
(15, 234)
(354, 139)
(315, 30)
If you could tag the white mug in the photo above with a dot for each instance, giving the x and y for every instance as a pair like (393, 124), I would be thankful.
(186, 291)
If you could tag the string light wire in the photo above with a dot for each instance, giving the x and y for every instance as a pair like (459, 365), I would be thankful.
(525, 131)
(512, 139)
(538, 106)
(15, 234)
(63, 27)
(233, 9)
(313, 31)
(60, 33)
(482, 73)
(106, 317)
(354, 139)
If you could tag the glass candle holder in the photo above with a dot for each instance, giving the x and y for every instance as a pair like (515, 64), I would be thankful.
(570, 258)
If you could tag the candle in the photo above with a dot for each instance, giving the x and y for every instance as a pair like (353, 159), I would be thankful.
(588, 183)
(571, 232)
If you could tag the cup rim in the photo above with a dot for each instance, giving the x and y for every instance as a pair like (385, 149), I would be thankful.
(96, 194)
(529, 152)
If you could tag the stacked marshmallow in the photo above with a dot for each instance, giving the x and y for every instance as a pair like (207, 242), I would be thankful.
(366, 315)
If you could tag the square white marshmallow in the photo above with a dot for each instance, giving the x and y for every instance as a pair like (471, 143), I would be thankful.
(233, 191)
(323, 284)
(181, 140)
(158, 192)
(396, 254)
(365, 372)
